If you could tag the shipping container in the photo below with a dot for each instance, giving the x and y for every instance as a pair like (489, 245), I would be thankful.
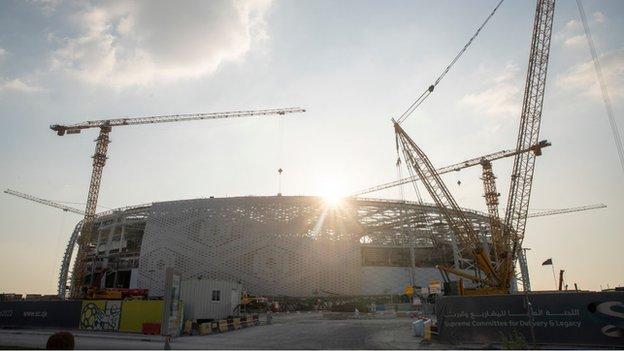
(210, 299)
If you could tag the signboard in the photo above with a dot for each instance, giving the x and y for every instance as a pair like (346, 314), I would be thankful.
(60, 314)
(565, 318)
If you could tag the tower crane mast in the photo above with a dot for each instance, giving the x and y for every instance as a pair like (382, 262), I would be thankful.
(99, 161)
(491, 196)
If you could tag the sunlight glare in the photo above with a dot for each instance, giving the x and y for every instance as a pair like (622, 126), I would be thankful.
(332, 200)
(332, 193)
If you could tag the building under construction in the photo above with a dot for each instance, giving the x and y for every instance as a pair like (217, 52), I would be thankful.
(273, 245)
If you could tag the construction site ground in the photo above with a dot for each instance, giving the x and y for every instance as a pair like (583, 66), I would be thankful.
(287, 331)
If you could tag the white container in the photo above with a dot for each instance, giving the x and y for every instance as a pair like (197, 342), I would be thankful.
(209, 299)
(418, 328)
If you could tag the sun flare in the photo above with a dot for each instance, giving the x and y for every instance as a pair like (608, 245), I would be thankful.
(332, 194)
(333, 200)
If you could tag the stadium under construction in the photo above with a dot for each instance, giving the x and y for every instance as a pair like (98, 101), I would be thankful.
(273, 245)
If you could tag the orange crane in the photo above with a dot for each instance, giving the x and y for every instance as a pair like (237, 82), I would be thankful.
(99, 160)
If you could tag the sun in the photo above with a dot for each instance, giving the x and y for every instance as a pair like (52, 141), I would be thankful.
(332, 194)
(332, 200)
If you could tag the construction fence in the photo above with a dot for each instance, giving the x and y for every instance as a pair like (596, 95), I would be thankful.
(134, 316)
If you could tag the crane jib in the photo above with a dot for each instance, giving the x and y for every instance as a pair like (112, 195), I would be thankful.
(126, 121)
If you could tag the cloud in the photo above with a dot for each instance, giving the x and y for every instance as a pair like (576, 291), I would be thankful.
(581, 78)
(122, 44)
(501, 99)
(19, 85)
(574, 41)
(48, 7)
(16, 85)
(572, 35)
(573, 25)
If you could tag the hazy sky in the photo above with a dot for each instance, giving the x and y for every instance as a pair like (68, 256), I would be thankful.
(352, 64)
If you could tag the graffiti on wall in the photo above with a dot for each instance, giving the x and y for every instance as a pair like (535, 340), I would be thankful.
(100, 315)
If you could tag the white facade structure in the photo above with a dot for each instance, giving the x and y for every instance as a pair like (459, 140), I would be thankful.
(277, 245)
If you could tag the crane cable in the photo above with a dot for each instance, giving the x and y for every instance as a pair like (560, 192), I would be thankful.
(430, 89)
(280, 154)
(603, 87)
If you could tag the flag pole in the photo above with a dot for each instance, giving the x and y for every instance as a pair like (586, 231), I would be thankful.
(554, 276)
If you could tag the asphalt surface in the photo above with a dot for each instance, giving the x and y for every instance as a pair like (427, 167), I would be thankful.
(288, 332)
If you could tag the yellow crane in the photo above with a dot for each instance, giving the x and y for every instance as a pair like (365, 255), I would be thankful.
(498, 264)
(528, 134)
(99, 160)
(468, 239)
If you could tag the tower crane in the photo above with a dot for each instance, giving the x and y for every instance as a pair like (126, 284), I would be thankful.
(44, 202)
(557, 211)
(99, 160)
(456, 167)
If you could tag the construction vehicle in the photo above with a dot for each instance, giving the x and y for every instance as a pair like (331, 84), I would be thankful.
(252, 303)
(99, 160)
(494, 264)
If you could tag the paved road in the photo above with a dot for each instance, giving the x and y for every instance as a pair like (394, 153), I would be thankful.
(295, 333)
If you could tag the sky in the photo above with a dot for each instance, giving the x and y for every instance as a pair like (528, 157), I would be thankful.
(352, 65)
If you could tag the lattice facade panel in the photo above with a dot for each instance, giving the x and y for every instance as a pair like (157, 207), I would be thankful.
(291, 246)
